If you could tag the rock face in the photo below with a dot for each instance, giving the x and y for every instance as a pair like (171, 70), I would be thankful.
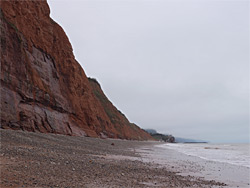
(43, 88)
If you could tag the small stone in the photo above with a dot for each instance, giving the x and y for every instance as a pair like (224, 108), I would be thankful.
(73, 169)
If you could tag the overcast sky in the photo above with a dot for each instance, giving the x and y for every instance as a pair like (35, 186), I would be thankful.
(177, 66)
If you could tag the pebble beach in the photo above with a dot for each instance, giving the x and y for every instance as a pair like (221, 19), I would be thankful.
(50, 160)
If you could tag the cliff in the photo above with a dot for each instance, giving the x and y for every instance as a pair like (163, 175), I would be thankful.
(43, 87)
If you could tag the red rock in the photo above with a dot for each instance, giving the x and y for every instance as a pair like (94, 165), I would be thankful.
(43, 87)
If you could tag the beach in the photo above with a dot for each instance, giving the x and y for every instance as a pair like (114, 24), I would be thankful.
(50, 160)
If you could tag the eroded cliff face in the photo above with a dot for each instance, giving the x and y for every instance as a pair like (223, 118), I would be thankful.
(43, 88)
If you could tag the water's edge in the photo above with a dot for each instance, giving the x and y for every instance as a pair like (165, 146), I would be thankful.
(184, 164)
(236, 154)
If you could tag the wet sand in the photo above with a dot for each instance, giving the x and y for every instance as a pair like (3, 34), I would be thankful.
(232, 175)
(49, 160)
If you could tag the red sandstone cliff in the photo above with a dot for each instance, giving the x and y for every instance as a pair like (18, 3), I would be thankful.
(43, 88)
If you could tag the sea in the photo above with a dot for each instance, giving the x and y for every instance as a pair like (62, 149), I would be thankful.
(236, 154)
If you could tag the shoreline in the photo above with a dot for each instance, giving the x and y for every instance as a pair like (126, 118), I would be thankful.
(189, 165)
(50, 160)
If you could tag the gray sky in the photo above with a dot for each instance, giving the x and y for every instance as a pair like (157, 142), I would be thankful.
(177, 66)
